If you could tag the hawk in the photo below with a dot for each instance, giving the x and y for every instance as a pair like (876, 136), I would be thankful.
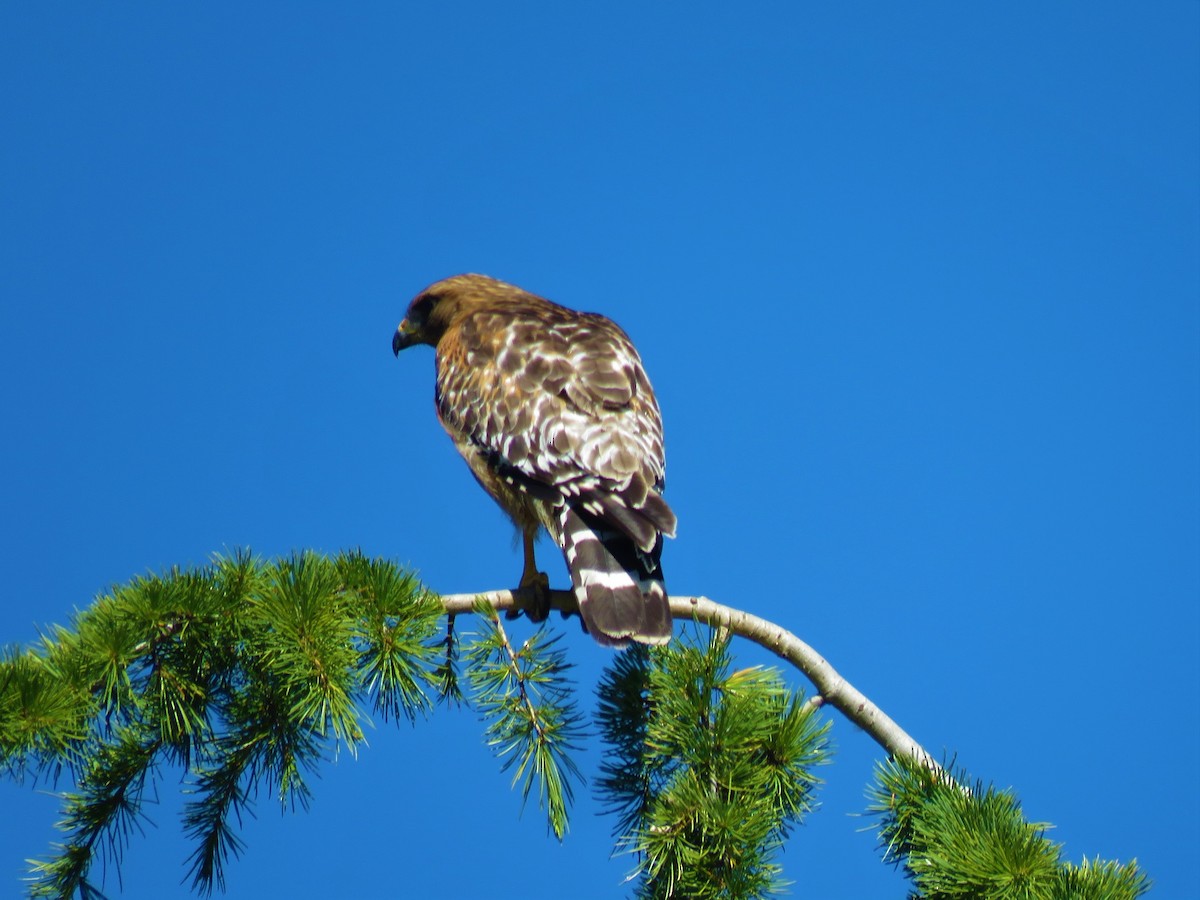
(555, 416)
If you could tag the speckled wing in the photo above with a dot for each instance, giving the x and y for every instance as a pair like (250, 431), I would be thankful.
(553, 412)
(558, 403)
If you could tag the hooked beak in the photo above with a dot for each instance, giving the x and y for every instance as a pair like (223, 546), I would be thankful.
(405, 336)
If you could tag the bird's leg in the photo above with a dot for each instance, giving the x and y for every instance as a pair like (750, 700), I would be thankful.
(536, 581)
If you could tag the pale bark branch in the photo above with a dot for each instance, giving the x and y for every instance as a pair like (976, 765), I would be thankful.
(832, 688)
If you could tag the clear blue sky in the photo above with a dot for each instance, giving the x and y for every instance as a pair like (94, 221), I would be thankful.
(918, 287)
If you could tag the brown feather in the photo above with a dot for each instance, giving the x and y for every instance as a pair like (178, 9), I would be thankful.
(554, 414)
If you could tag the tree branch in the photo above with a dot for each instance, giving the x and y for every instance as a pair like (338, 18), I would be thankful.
(833, 688)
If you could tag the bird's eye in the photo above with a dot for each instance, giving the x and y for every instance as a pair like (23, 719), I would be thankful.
(419, 311)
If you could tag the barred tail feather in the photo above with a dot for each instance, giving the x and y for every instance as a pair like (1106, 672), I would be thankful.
(619, 587)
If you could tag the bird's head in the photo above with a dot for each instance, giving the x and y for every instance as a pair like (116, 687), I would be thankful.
(435, 308)
(415, 328)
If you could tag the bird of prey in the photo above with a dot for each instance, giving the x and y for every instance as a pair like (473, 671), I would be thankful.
(555, 416)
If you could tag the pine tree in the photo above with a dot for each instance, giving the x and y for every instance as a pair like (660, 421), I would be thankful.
(245, 672)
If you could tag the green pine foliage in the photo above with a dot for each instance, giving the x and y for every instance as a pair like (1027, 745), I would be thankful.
(961, 842)
(245, 674)
(708, 769)
(242, 676)
(533, 724)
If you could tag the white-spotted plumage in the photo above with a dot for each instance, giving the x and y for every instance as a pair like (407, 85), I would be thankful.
(554, 413)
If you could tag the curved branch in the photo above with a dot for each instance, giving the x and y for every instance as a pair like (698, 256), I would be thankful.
(833, 688)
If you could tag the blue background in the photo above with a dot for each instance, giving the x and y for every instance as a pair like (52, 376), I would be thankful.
(917, 285)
